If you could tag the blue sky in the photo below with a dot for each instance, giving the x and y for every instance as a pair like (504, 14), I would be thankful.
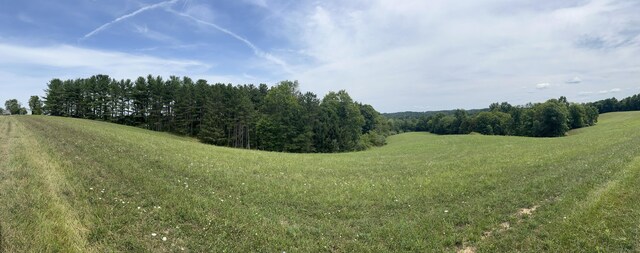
(395, 55)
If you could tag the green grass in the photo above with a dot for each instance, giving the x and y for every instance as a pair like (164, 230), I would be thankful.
(72, 185)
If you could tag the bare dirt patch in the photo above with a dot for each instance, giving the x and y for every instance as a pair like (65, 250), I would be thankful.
(505, 226)
(527, 211)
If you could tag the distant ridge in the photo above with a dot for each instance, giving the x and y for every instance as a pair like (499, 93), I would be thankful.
(410, 114)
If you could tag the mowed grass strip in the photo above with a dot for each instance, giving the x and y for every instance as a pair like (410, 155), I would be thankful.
(128, 189)
(35, 214)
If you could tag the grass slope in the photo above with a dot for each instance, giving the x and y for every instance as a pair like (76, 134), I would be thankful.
(73, 185)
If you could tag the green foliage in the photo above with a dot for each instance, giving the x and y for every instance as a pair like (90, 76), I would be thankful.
(279, 118)
(343, 123)
(412, 115)
(373, 139)
(14, 107)
(281, 127)
(35, 104)
(631, 103)
(577, 116)
(552, 118)
(491, 123)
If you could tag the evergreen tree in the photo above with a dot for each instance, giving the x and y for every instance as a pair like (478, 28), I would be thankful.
(212, 129)
(55, 98)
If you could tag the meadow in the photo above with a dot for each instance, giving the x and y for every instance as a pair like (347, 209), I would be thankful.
(74, 185)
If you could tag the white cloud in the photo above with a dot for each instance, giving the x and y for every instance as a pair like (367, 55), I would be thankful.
(574, 80)
(601, 92)
(463, 54)
(70, 57)
(541, 86)
(28, 69)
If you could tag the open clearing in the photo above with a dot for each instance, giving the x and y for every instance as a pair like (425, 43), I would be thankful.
(74, 185)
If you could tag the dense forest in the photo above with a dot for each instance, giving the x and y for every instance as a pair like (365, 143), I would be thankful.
(419, 121)
(552, 118)
(278, 118)
(410, 114)
(631, 103)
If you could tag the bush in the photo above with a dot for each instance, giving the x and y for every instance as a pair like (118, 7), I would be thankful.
(373, 139)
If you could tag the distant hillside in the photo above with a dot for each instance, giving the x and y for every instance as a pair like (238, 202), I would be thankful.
(409, 114)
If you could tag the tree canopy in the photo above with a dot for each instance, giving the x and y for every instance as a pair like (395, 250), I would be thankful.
(14, 107)
(278, 118)
(631, 103)
(35, 104)
(549, 119)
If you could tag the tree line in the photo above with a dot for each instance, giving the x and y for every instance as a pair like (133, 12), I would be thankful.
(278, 118)
(14, 107)
(631, 103)
(552, 118)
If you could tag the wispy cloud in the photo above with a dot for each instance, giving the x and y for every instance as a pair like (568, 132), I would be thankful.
(154, 35)
(601, 92)
(25, 18)
(27, 70)
(173, 47)
(76, 61)
(432, 47)
(541, 86)
(614, 90)
(574, 80)
(132, 14)
(257, 51)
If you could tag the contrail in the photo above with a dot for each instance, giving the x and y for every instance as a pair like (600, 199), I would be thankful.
(148, 7)
(257, 51)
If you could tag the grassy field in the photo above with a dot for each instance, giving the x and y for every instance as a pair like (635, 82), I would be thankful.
(71, 185)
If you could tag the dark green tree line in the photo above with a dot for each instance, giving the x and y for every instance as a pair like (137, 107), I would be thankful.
(631, 103)
(14, 107)
(549, 119)
(278, 118)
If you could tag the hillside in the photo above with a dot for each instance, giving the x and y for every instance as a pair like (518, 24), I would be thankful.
(412, 114)
(75, 185)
